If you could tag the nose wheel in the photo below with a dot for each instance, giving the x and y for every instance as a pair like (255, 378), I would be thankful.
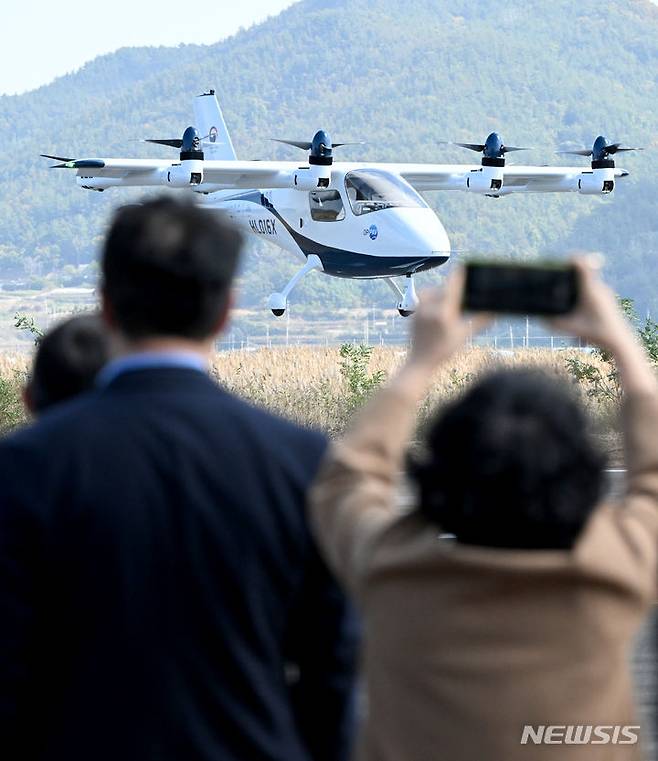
(407, 299)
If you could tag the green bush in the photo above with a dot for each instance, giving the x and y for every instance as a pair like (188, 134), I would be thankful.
(604, 385)
(359, 383)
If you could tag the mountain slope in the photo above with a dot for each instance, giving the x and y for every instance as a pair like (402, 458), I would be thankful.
(401, 77)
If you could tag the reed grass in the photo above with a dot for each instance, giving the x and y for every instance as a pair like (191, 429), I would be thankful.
(306, 385)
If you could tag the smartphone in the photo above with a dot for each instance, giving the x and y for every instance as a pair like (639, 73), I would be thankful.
(543, 288)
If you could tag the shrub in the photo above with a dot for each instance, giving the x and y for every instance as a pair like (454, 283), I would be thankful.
(359, 383)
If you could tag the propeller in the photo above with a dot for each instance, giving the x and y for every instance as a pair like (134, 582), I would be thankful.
(492, 148)
(74, 163)
(189, 145)
(177, 142)
(320, 148)
(55, 158)
(601, 150)
(174, 142)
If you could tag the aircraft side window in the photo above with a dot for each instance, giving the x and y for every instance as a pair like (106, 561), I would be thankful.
(326, 205)
(372, 190)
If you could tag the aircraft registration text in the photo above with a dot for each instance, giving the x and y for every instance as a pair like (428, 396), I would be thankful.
(263, 226)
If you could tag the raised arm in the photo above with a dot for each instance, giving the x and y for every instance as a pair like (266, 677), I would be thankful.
(356, 489)
(599, 320)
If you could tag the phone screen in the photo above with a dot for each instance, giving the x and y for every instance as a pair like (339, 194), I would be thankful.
(547, 289)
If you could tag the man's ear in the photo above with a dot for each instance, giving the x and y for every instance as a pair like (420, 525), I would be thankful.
(225, 314)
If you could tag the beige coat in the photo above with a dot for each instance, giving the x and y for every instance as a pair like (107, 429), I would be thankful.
(464, 646)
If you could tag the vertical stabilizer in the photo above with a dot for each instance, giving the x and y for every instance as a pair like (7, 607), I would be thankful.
(211, 125)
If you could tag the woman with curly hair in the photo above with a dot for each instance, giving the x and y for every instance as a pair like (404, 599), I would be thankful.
(511, 640)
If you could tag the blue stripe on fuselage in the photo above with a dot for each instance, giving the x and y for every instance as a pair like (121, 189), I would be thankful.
(353, 265)
(339, 262)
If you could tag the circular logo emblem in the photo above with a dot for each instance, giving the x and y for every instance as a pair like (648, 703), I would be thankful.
(212, 135)
(373, 232)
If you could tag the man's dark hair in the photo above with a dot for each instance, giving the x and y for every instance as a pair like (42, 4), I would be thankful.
(511, 464)
(167, 268)
(67, 361)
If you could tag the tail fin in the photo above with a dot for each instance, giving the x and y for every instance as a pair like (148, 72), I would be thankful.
(210, 123)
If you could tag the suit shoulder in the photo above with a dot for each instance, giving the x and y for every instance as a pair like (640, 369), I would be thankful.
(32, 446)
(281, 438)
(62, 417)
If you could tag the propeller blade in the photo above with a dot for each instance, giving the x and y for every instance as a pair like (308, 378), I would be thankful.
(304, 145)
(481, 147)
(54, 158)
(173, 142)
(583, 152)
(616, 148)
(477, 147)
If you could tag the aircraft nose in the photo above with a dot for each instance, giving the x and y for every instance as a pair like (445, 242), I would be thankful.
(414, 231)
(433, 236)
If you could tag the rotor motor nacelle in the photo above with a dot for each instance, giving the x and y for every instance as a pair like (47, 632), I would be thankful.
(317, 174)
(488, 179)
(312, 177)
(600, 181)
(189, 172)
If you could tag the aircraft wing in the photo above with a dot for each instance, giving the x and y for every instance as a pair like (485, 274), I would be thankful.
(217, 175)
(102, 173)
(115, 168)
(545, 179)
(516, 179)
(248, 174)
(432, 176)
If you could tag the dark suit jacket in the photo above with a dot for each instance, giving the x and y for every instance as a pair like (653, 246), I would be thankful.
(156, 571)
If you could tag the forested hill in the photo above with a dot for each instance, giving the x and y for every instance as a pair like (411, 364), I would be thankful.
(402, 77)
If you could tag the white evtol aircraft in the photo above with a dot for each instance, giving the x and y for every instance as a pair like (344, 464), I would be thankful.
(346, 219)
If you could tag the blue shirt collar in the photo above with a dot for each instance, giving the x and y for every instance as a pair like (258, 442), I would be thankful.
(145, 360)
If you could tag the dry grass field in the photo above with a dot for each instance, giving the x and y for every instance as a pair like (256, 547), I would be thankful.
(306, 383)
(309, 384)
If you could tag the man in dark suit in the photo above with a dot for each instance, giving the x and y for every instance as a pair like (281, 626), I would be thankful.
(160, 595)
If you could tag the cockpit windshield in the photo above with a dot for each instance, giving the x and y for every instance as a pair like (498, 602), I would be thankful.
(371, 190)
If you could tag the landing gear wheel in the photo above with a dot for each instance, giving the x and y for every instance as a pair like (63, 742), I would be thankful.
(278, 302)
(407, 299)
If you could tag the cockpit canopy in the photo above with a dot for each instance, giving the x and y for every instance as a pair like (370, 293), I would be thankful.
(371, 190)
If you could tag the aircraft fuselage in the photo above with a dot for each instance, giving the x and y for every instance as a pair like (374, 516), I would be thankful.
(352, 236)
